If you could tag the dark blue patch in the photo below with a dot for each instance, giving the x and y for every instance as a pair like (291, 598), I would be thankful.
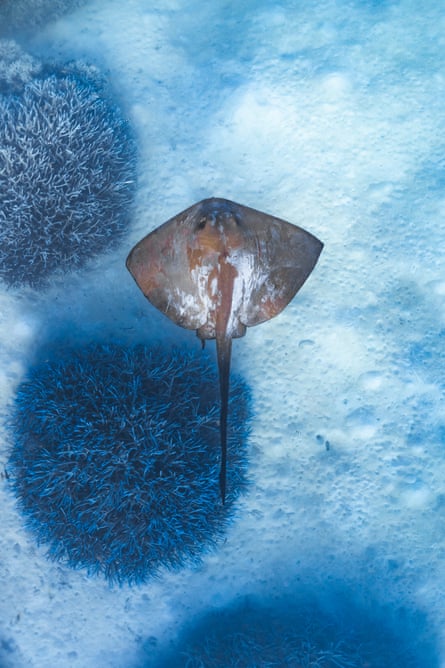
(292, 631)
(116, 457)
(30, 15)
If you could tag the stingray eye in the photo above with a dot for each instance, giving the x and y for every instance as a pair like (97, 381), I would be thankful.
(202, 223)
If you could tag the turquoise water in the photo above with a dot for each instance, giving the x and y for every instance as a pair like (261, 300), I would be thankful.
(331, 118)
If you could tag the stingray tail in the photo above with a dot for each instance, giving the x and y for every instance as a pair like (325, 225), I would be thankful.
(224, 351)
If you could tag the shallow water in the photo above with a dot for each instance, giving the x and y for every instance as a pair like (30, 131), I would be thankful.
(331, 118)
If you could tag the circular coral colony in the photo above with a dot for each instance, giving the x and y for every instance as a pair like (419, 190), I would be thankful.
(286, 631)
(116, 457)
(67, 169)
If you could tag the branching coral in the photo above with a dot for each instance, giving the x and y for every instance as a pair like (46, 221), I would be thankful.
(286, 632)
(67, 177)
(116, 454)
(16, 66)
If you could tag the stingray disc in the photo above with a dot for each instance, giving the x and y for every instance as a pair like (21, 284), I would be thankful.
(219, 267)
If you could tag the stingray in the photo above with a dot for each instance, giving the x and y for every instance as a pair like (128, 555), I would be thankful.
(220, 267)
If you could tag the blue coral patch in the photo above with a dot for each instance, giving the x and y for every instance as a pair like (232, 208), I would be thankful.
(116, 457)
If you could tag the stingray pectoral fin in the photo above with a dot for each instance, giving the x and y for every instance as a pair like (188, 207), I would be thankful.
(286, 257)
(159, 265)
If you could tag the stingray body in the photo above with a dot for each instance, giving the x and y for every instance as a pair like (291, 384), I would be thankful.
(219, 267)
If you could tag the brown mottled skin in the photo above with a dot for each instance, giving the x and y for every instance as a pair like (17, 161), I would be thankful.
(219, 267)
